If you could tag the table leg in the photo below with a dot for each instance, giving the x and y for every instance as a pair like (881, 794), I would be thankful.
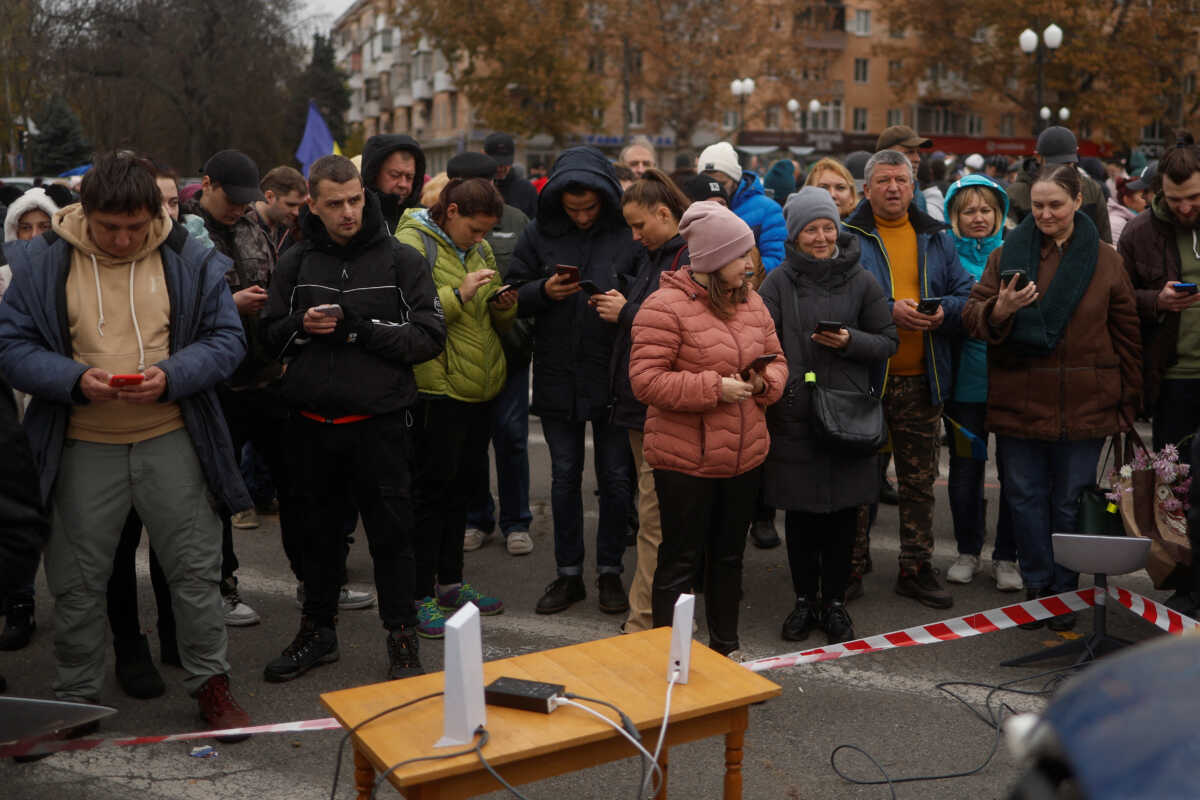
(364, 775)
(662, 764)
(733, 755)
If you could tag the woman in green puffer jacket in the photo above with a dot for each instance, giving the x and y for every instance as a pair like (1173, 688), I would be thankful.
(453, 416)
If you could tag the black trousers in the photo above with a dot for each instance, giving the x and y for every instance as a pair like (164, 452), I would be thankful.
(819, 548)
(122, 594)
(370, 462)
(452, 442)
(704, 525)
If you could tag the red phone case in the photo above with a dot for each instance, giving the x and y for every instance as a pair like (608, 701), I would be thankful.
(568, 270)
(126, 380)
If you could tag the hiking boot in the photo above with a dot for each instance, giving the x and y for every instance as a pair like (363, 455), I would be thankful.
(854, 588)
(1008, 576)
(475, 538)
(836, 623)
(763, 534)
(923, 586)
(519, 543)
(455, 597)
(403, 648)
(245, 520)
(19, 624)
(220, 711)
(561, 594)
(135, 669)
(613, 599)
(431, 620)
(801, 622)
(237, 613)
(1032, 594)
(963, 569)
(313, 645)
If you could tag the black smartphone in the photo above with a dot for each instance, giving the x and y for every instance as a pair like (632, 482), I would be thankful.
(1022, 279)
(571, 273)
(1185, 288)
(757, 365)
(590, 288)
(496, 294)
(828, 326)
(929, 306)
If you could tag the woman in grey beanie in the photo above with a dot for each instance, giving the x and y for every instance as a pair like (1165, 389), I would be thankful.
(819, 486)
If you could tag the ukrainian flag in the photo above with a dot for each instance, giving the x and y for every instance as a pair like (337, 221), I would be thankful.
(967, 444)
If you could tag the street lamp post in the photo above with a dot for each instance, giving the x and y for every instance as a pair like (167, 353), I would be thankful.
(814, 108)
(793, 107)
(742, 88)
(1031, 43)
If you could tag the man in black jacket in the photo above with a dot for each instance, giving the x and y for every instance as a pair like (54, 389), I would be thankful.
(350, 311)
(393, 169)
(517, 191)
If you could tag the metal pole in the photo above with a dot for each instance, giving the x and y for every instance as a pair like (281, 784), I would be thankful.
(1037, 111)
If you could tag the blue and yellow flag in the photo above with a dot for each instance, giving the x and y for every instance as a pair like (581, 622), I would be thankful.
(967, 444)
(317, 140)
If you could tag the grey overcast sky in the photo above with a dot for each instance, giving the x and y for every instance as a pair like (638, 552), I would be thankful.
(328, 10)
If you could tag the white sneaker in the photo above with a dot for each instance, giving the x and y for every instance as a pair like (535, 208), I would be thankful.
(963, 569)
(352, 598)
(474, 539)
(237, 613)
(519, 543)
(1008, 576)
(245, 520)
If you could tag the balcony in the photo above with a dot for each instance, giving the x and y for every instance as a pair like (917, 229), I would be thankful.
(402, 97)
(355, 81)
(371, 109)
(947, 88)
(442, 82)
(825, 40)
(422, 89)
(354, 114)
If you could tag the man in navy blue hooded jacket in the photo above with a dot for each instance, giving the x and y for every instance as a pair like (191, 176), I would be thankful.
(579, 224)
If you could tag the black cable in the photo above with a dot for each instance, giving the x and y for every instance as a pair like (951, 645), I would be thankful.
(627, 724)
(496, 775)
(994, 720)
(477, 749)
(337, 767)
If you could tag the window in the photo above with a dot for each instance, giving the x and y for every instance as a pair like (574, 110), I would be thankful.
(598, 115)
(1189, 83)
(772, 116)
(385, 40)
(860, 70)
(453, 99)
(1007, 125)
(896, 33)
(635, 62)
(975, 125)
(980, 36)
(829, 118)
(895, 116)
(637, 113)
(861, 25)
(371, 86)
(860, 120)
(596, 62)
(731, 120)
(895, 68)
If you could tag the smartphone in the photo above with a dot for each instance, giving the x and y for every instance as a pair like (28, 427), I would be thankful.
(1185, 288)
(757, 365)
(1022, 278)
(125, 380)
(329, 310)
(828, 326)
(590, 288)
(929, 306)
(496, 295)
(569, 272)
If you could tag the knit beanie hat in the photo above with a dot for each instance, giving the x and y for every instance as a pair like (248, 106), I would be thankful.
(720, 157)
(702, 187)
(811, 202)
(715, 235)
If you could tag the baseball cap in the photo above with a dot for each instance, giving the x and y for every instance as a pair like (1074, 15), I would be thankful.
(1057, 145)
(1143, 180)
(901, 135)
(501, 147)
(237, 174)
(974, 161)
(471, 165)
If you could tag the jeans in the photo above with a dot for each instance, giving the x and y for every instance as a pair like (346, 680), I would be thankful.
(1043, 481)
(965, 488)
(510, 440)
(610, 446)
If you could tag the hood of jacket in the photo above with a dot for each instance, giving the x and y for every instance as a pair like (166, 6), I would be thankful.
(376, 151)
(682, 280)
(973, 253)
(749, 186)
(584, 167)
(71, 224)
(1162, 212)
(781, 180)
(371, 232)
(35, 198)
(826, 272)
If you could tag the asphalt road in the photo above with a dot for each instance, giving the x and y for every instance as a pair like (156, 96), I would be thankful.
(886, 703)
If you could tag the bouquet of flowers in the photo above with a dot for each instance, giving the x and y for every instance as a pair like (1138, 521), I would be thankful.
(1172, 478)
(1152, 492)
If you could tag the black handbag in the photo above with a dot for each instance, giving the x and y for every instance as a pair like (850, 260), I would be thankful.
(851, 421)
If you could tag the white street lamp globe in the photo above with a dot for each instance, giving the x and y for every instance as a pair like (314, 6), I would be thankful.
(1064, 113)
(1053, 36)
(1045, 112)
(1028, 41)
(748, 84)
(735, 86)
(814, 106)
(793, 105)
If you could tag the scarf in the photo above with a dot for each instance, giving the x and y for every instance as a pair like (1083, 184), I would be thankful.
(1038, 328)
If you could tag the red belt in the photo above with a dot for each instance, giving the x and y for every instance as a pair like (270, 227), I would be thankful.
(335, 420)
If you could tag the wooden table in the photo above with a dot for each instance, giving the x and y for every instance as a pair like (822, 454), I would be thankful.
(525, 746)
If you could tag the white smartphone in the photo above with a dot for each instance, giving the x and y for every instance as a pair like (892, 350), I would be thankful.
(329, 310)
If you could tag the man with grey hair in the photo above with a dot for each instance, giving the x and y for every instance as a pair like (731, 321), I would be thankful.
(916, 262)
(639, 155)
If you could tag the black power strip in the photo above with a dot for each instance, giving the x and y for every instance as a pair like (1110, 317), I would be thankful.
(522, 694)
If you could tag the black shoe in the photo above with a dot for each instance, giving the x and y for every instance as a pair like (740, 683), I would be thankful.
(854, 589)
(135, 669)
(1037, 624)
(924, 587)
(403, 648)
(612, 594)
(836, 623)
(1184, 602)
(312, 646)
(763, 534)
(559, 596)
(801, 622)
(19, 625)
(888, 493)
(1063, 622)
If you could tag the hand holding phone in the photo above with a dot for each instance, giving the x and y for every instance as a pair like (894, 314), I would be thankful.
(589, 287)
(132, 379)
(1185, 288)
(330, 310)
(1016, 279)
(929, 306)
(757, 365)
(569, 273)
(828, 326)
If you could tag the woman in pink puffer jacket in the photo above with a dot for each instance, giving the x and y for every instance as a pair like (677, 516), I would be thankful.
(706, 433)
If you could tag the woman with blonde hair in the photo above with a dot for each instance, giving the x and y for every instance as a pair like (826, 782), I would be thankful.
(832, 176)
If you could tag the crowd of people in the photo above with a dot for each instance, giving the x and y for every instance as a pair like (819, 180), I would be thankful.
(344, 348)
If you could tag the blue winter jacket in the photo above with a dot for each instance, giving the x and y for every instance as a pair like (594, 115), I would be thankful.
(206, 344)
(940, 275)
(970, 369)
(764, 216)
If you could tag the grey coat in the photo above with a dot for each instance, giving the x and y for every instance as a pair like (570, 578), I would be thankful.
(802, 473)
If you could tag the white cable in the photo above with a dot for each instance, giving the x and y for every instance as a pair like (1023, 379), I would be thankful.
(662, 732)
(654, 767)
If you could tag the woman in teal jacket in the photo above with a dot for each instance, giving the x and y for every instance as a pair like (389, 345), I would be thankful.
(976, 208)
(453, 415)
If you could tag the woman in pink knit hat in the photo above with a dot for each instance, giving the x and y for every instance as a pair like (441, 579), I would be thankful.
(697, 363)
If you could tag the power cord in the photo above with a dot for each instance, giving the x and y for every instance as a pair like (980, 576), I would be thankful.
(477, 749)
(626, 723)
(994, 719)
(662, 732)
(655, 768)
(337, 767)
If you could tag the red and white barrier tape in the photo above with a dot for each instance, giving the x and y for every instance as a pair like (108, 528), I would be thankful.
(995, 619)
